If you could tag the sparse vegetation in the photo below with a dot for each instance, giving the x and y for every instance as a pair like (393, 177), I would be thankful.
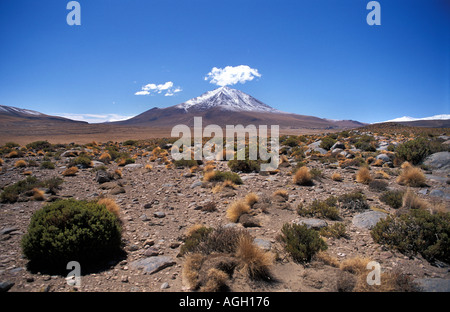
(303, 177)
(221, 176)
(321, 209)
(392, 198)
(411, 176)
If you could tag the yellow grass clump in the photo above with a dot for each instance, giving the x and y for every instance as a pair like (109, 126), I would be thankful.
(105, 157)
(1, 162)
(110, 205)
(412, 201)
(208, 175)
(12, 154)
(209, 167)
(363, 176)
(302, 176)
(221, 186)
(118, 172)
(282, 193)
(411, 176)
(148, 167)
(251, 199)
(40, 153)
(20, 164)
(336, 177)
(237, 209)
(356, 265)
(253, 261)
(70, 172)
(38, 194)
(27, 173)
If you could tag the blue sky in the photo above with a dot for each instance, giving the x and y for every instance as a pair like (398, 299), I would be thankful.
(314, 57)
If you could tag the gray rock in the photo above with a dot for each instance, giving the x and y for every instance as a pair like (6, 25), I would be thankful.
(196, 184)
(439, 193)
(321, 150)
(159, 214)
(338, 145)
(433, 284)
(8, 230)
(133, 166)
(5, 286)
(438, 161)
(117, 190)
(96, 163)
(312, 223)
(165, 285)
(153, 264)
(102, 177)
(263, 244)
(383, 157)
(367, 220)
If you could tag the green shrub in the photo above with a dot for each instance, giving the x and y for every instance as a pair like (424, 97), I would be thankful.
(300, 242)
(321, 209)
(187, 163)
(246, 166)
(392, 198)
(130, 142)
(47, 165)
(327, 143)
(82, 161)
(11, 144)
(221, 176)
(71, 230)
(39, 145)
(194, 239)
(415, 151)
(11, 193)
(336, 230)
(378, 185)
(353, 201)
(414, 232)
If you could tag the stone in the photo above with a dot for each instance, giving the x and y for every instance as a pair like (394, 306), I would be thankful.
(338, 145)
(5, 286)
(312, 223)
(248, 221)
(102, 177)
(438, 161)
(383, 157)
(165, 285)
(151, 252)
(152, 265)
(263, 244)
(367, 220)
(133, 166)
(8, 230)
(96, 163)
(117, 190)
(439, 193)
(433, 284)
(196, 184)
(159, 214)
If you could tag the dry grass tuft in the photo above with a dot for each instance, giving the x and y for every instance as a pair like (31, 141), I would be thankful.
(412, 201)
(27, 173)
(38, 194)
(327, 259)
(191, 268)
(302, 176)
(216, 280)
(355, 265)
(111, 205)
(411, 176)
(20, 164)
(251, 199)
(236, 209)
(148, 167)
(70, 172)
(1, 162)
(105, 158)
(225, 184)
(363, 176)
(336, 177)
(209, 168)
(282, 193)
(118, 173)
(253, 261)
(208, 175)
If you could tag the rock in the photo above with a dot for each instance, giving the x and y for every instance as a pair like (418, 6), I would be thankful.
(159, 214)
(195, 184)
(70, 153)
(117, 190)
(102, 177)
(5, 286)
(433, 284)
(367, 220)
(96, 163)
(153, 264)
(144, 217)
(440, 193)
(312, 223)
(383, 157)
(165, 285)
(133, 166)
(8, 230)
(338, 145)
(438, 161)
(263, 244)
(248, 221)
(151, 252)
(124, 279)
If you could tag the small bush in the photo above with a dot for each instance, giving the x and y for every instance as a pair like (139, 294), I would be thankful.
(412, 176)
(282, 193)
(303, 177)
(245, 166)
(300, 242)
(38, 194)
(378, 186)
(327, 143)
(82, 161)
(416, 231)
(253, 261)
(11, 193)
(236, 209)
(336, 177)
(47, 165)
(105, 158)
(393, 199)
(412, 201)
(111, 205)
(251, 199)
(39, 145)
(20, 164)
(70, 230)
(70, 172)
(221, 176)
(353, 201)
(363, 176)
(194, 237)
(336, 230)
(415, 151)
(321, 209)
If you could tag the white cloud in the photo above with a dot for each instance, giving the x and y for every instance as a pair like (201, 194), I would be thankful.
(407, 118)
(232, 75)
(152, 88)
(94, 118)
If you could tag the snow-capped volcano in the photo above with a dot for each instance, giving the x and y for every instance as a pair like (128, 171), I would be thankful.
(15, 110)
(226, 98)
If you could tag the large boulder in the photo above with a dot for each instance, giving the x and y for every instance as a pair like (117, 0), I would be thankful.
(367, 220)
(438, 161)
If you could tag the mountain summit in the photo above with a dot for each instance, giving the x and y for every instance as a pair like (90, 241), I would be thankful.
(227, 99)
